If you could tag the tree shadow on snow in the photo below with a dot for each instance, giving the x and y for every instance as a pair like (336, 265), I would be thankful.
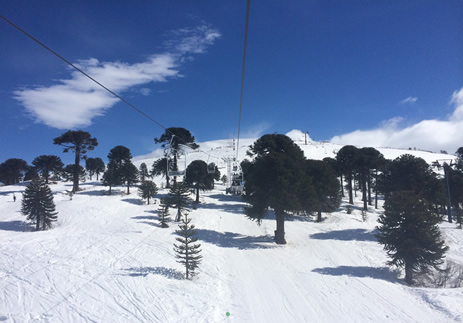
(17, 226)
(384, 273)
(226, 198)
(235, 240)
(145, 271)
(346, 235)
(148, 219)
(133, 201)
(230, 208)
(93, 193)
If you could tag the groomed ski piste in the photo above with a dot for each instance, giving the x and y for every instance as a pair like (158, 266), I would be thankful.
(108, 260)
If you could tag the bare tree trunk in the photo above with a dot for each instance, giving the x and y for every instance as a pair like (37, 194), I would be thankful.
(280, 231)
(75, 186)
(319, 216)
(408, 274)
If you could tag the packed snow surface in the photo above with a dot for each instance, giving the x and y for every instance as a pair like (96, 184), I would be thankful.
(108, 260)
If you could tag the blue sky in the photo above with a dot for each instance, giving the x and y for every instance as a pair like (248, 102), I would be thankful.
(379, 73)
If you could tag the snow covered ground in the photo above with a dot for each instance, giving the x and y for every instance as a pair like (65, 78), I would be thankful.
(108, 260)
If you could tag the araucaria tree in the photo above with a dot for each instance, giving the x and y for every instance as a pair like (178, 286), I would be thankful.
(143, 172)
(186, 250)
(79, 142)
(120, 168)
(276, 178)
(175, 140)
(94, 166)
(159, 168)
(410, 233)
(179, 198)
(37, 204)
(12, 170)
(328, 191)
(147, 190)
(45, 164)
(163, 213)
(198, 178)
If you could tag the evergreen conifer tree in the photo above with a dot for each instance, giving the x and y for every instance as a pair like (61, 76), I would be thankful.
(37, 204)
(163, 213)
(179, 198)
(410, 234)
(187, 251)
(143, 172)
(147, 190)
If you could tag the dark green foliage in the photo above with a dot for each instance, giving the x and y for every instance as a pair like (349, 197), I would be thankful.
(179, 198)
(346, 159)
(147, 190)
(45, 164)
(12, 170)
(175, 139)
(164, 213)
(410, 173)
(159, 168)
(119, 155)
(186, 250)
(327, 187)
(143, 172)
(455, 177)
(410, 234)
(129, 174)
(198, 178)
(94, 166)
(69, 172)
(79, 142)
(120, 169)
(111, 178)
(276, 178)
(367, 159)
(37, 204)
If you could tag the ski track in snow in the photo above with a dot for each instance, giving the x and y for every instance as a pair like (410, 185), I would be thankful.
(108, 260)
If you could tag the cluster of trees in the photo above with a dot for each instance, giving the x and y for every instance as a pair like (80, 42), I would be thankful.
(281, 178)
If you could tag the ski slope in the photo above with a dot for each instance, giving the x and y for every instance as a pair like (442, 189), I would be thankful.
(108, 260)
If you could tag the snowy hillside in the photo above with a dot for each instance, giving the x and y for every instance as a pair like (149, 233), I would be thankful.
(108, 260)
(218, 150)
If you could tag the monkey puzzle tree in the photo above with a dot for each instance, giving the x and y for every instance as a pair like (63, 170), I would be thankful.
(346, 159)
(37, 204)
(95, 166)
(159, 168)
(175, 139)
(45, 164)
(187, 251)
(79, 142)
(410, 233)
(198, 178)
(276, 178)
(147, 190)
(327, 188)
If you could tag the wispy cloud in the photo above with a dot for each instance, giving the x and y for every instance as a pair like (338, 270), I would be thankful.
(433, 135)
(410, 99)
(75, 101)
(255, 131)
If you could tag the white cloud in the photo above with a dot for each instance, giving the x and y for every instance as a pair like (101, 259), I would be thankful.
(75, 101)
(410, 99)
(255, 131)
(433, 135)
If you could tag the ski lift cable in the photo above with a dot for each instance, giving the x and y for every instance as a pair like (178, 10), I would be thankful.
(97, 82)
(242, 76)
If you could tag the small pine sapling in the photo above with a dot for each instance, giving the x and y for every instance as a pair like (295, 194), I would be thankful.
(163, 213)
(186, 251)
